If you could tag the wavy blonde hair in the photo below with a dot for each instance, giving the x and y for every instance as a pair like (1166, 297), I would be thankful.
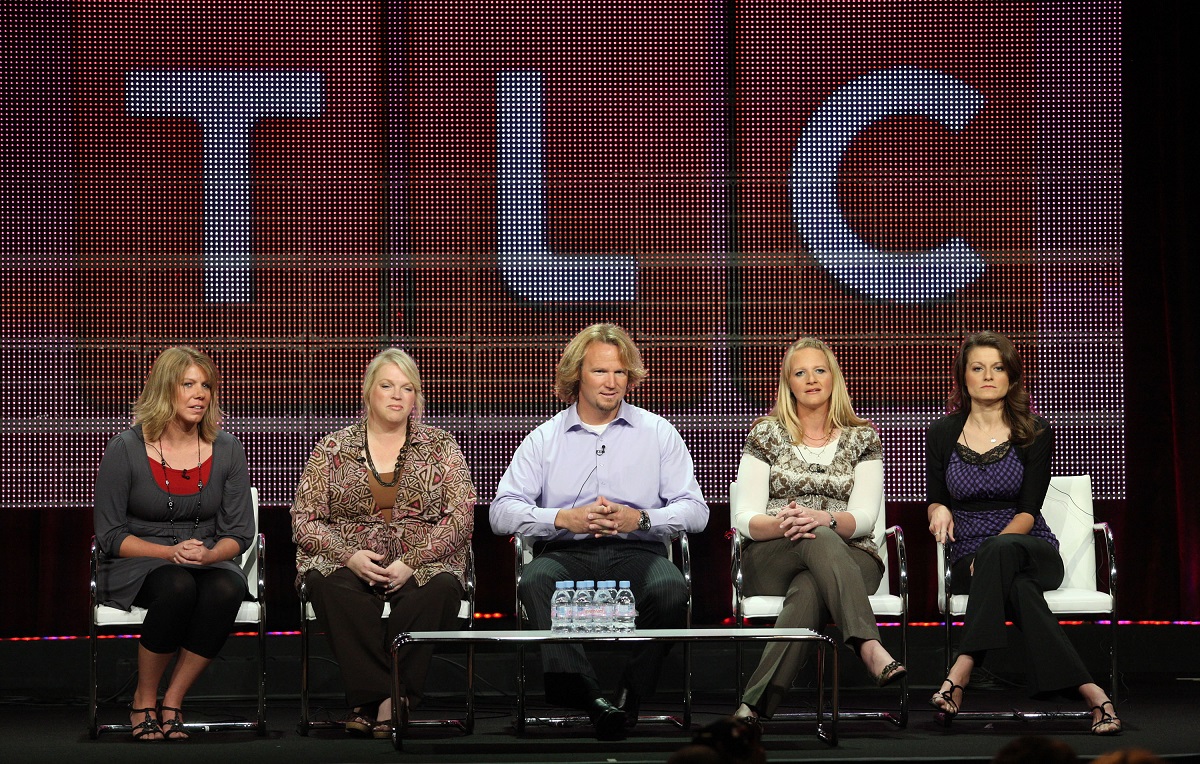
(841, 411)
(155, 407)
(570, 366)
(407, 365)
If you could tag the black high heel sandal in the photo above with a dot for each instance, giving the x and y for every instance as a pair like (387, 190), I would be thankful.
(1107, 718)
(948, 713)
(172, 729)
(148, 726)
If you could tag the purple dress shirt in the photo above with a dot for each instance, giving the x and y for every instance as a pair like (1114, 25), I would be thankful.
(639, 460)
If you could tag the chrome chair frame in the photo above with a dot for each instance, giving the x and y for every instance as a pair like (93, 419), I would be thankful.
(466, 612)
(118, 622)
(524, 554)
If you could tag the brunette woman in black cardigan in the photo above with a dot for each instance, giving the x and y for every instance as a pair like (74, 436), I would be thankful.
(988, 468)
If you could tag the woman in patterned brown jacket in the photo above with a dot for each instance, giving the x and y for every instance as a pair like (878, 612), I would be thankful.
(810, 486)
(383, 514)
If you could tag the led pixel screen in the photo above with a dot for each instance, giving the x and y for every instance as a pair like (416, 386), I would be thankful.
(292, 185)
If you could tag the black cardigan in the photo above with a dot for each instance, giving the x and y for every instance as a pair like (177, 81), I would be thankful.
(940, 438)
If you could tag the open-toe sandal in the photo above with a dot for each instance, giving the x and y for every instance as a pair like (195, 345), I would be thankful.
(950, 709)
(1109, 724)
(890, 673)
(358, 724)
(750, 719)
(172, 728)
(148, 726)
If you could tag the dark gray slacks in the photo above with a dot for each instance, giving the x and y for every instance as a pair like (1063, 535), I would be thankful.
(822, 579)
(351, 615)
(657, 585)
(1012, 572)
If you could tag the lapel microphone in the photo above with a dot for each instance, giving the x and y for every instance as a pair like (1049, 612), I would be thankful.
(600, 451)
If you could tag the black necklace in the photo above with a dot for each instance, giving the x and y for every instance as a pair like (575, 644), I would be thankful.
(399, 456)
(167, 482)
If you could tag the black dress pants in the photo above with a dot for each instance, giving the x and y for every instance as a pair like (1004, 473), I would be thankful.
(658, 586)
(351, 615)
(1012, 572)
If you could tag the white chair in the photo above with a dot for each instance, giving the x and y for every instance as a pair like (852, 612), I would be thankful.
(252, 614)
(524, 555)
(466, 612)
(889, 601)
(1068, 511)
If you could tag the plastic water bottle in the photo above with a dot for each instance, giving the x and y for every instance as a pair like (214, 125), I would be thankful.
(602, 606)
(624, 610)
(582, 621)
(561, 614)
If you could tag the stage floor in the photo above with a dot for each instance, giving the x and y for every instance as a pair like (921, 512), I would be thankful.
(1161, 716)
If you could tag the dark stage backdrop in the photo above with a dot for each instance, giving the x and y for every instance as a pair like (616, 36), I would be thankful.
(292, 185)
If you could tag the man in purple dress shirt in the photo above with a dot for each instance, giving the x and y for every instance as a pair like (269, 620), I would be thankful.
(602, 486)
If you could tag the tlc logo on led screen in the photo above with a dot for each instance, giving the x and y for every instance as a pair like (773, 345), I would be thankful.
(479, 182)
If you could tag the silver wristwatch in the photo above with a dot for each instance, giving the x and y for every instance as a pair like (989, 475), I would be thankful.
(644, 521)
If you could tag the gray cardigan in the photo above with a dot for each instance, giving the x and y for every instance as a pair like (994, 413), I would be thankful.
(129, 502)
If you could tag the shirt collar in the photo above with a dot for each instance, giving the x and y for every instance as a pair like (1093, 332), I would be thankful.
(627, 414)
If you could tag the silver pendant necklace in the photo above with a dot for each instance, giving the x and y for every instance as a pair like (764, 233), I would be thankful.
(809, 456)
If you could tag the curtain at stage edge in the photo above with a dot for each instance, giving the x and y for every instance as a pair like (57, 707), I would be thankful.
(1160, 529)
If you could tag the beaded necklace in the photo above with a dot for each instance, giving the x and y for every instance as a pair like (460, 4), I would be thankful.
(167, 482)
(399, 458)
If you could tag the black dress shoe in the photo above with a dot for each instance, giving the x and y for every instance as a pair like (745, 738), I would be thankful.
(630, 702)
(608, 720)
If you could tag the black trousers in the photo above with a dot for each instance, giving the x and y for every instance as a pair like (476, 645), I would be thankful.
(190, 607)
(657, 585)
(351, 615)
(1012, 571)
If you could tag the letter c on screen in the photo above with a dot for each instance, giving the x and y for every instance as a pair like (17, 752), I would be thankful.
(908, 278)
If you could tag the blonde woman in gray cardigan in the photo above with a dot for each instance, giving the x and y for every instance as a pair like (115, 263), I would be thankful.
(172, 511)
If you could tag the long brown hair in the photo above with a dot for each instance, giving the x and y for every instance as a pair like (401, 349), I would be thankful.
(1018, 415)
(155, 407)
(841, 411)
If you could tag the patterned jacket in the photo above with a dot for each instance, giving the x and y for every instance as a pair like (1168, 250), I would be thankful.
(334, 514)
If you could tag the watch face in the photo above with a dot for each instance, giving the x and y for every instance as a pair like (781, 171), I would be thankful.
(644, 523)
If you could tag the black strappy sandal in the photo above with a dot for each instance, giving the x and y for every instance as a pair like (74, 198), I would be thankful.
(948, 696)
(148, 726)
(172, 729)
(1107, 718)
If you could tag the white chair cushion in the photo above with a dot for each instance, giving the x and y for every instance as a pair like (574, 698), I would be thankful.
(764, 606)
(1061, 602)
(464, 610)
(248, 612)
(1079, 602)
(111, 616)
